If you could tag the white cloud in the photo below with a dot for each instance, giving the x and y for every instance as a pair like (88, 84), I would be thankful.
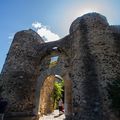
(10, 37)
(36, 25)
(45, 32)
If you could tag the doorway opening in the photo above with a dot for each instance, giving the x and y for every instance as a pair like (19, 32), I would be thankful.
(54, 88)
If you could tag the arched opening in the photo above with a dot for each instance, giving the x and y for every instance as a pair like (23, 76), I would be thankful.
(54, 65)
(47, 103)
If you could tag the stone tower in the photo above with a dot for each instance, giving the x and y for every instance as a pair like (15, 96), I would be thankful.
(88, 58)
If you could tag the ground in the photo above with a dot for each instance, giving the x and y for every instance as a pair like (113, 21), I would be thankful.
(53, 116)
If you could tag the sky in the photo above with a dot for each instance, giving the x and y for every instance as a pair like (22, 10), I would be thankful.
(51, 19)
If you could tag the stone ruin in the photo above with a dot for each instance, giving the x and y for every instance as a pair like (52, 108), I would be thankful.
(88, 58)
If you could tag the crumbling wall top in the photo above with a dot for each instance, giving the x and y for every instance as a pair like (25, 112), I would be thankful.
(31, 33)
(91, 19)
(115, 28)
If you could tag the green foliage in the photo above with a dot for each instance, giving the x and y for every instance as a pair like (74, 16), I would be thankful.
(52, 64)
(57, 93)
(114, 94)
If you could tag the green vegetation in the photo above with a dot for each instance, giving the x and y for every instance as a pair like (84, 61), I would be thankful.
(52, 64)
(114, 94)
(54, 61)
(58, 92)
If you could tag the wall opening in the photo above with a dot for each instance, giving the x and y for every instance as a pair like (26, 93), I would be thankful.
(53, 61)
(55, 48)
(47, 103)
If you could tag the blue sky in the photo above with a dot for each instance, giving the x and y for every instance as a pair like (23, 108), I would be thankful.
(54, 16)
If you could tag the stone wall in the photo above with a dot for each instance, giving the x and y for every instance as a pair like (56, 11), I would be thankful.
(97, 59)
(89, 56)
(46, 100)
(19, 71)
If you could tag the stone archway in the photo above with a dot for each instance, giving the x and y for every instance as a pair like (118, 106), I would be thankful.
(46, 102)
(49, 68)
(89, 59)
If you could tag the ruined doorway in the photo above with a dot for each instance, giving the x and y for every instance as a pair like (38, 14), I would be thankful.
(54, 63)
(46, 103)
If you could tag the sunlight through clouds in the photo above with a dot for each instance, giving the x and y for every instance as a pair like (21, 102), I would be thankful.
(45, 32)
(72, 11)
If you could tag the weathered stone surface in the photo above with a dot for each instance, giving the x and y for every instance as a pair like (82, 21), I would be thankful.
(89, 57)
(19, 70)
(47, 103)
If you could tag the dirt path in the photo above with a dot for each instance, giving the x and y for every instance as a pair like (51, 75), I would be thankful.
(53, 116)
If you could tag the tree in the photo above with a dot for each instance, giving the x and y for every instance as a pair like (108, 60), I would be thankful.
(58, 92)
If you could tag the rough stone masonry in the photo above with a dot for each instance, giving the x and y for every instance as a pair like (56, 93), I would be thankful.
(88, 58)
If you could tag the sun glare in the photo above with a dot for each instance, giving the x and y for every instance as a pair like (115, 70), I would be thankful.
(84, 11)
